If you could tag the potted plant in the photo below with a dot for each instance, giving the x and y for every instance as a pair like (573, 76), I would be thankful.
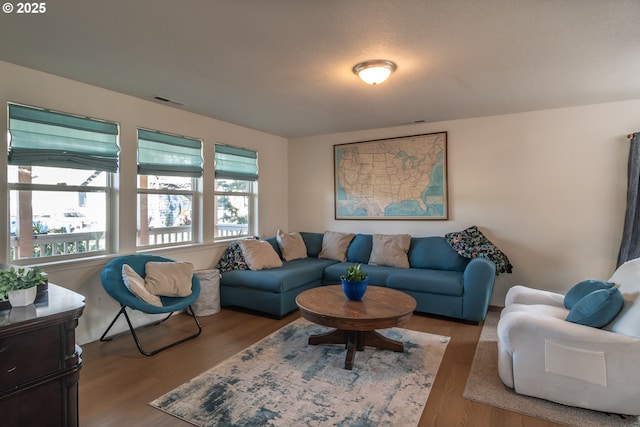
(354, 282)
(20, 284)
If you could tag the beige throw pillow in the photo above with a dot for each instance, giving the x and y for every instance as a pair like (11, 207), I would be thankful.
(335, 245)
(391, 250)
(171, 279)
(135, 283)
(291, 245)
(259, 254)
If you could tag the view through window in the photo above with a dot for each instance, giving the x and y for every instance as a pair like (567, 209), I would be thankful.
(236, 179)
(59, 173)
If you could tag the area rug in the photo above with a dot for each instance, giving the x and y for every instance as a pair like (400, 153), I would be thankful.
(484, 386)
(283, 381)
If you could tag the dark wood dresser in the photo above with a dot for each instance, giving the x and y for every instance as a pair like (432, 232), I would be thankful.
(40, 361)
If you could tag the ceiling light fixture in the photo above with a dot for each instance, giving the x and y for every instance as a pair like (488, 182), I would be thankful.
(374, 72)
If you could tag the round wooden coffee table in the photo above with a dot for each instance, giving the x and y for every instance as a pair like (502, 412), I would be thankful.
(355, 322)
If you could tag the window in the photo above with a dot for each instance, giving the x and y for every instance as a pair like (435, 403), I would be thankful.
(59, 179)
(236, 179)
(168, 166)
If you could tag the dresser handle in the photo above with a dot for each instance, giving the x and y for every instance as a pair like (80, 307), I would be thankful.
(11, 370)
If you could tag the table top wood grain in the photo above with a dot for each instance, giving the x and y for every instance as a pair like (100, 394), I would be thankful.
(380, 308)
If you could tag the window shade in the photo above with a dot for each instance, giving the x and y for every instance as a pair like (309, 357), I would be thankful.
(163, 154)
(46, 138)
(236, 163)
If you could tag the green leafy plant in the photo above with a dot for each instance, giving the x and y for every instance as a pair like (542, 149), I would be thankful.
(354, 273)
(20, 278)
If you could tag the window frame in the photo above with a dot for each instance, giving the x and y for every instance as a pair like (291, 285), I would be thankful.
(251, 177)
(173, 237)
(108, 189)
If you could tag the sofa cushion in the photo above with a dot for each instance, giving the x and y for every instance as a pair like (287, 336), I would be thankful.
(360, 249)
(291, 245)
(171, 279)
(291, 275)
(335, 245)
(391, 250)
(260, 254)
(430, 281)
(377, 274)
(273, 241)
(313, 242)
(582, 289)
(435, 253)
(597, 309)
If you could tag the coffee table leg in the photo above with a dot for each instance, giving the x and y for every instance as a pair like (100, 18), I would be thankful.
(337, 336)
(356, 341)
(374, 339)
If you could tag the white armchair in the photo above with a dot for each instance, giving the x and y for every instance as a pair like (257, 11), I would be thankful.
(541, 354)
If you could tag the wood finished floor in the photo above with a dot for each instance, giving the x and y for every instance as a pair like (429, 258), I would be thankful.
(117, 382)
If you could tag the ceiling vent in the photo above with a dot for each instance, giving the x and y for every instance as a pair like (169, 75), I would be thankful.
(164, 100)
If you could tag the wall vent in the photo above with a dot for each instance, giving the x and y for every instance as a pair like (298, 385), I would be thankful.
(165, 100)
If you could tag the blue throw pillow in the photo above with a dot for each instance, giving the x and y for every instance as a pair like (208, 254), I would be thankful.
(598, 308)
(583, 289)
(360, 249)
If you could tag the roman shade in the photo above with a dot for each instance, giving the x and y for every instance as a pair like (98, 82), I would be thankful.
(46, 138)
(168, 155)
(235, 163)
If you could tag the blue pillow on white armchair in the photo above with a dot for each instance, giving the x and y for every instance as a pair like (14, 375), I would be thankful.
(627, 322)
(597, 309)
(583, 289)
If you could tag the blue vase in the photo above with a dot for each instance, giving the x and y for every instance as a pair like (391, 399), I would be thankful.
(354, 290)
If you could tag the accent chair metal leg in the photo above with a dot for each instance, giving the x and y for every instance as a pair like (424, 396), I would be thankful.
(123, 310)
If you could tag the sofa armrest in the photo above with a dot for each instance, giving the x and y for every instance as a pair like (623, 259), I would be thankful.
(478, 279)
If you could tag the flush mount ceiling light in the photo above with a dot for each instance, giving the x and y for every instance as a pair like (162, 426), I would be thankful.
(374, 72)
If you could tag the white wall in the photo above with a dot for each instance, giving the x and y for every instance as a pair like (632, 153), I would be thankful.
(31, 87)
(547, 187)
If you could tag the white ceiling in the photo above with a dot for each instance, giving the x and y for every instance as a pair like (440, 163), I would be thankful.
(284, 66)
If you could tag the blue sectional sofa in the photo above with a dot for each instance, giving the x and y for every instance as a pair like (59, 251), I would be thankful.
(441, 281)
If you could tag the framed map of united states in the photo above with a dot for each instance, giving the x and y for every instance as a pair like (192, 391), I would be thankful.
(396, 178)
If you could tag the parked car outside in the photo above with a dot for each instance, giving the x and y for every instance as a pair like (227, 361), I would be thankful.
(66, 222)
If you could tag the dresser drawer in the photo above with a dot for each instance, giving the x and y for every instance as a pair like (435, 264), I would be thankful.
(29, 356)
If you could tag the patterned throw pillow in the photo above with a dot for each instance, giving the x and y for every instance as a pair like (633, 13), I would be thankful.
(232, 258)
(471, 243)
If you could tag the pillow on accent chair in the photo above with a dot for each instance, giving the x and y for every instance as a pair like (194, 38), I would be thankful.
(135, 283)
(170, 279)
(335, 245)
(597, 309)
(291, 245)
(260, 255)
(391, 250)
(582, 289)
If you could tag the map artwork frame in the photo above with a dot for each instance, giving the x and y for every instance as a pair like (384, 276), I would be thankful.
(403, 178)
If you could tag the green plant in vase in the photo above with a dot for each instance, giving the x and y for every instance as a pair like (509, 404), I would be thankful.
(354, 282)
(19, 284)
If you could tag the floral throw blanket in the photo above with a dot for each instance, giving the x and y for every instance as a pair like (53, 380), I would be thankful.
(471, 243)
(232, 258)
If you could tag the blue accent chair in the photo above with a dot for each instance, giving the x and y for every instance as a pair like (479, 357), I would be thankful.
(113, 283)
